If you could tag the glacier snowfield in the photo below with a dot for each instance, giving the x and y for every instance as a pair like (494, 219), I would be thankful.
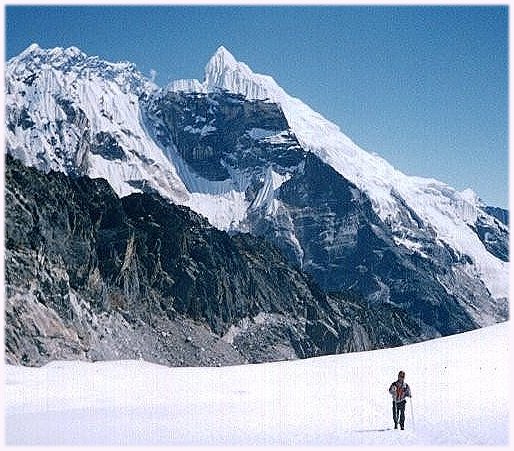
(460, 386)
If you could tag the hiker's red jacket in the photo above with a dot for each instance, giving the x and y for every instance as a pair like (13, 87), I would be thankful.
(399, 391)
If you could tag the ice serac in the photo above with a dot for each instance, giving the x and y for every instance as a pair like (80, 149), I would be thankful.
(395, 197)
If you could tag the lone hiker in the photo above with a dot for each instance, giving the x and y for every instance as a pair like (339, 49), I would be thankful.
(399, 391)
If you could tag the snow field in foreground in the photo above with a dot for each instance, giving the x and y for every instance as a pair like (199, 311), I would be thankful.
(460, 388)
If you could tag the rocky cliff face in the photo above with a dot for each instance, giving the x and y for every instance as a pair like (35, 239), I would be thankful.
(92, 276)
(322, 222)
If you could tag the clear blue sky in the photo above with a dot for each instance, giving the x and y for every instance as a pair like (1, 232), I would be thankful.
(424, 87)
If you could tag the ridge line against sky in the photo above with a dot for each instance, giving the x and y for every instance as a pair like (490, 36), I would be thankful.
(424, 87)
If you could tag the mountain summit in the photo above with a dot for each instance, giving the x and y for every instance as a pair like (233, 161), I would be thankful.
(239, 150)
(223, 71)
(220, 62)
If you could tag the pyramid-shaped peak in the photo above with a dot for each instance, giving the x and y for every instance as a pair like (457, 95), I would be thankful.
(222, 58)
(223, 52)
(221, 65)
(224, 72)
(34, 47)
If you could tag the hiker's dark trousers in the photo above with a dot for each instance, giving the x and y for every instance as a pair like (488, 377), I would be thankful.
(399, 412)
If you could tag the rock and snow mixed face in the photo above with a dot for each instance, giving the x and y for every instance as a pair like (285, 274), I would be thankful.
(225, 149)
(452, 215)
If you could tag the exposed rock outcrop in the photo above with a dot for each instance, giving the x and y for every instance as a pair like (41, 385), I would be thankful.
(92, 276)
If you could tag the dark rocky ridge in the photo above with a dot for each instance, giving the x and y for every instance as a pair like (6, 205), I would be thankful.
(347, 246)
(210, 131)
(92, 276)
(499, 213)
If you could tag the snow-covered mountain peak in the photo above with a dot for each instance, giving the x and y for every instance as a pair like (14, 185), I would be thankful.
(83, 115)
(35, 49)
(35, 55)
(30, 50)
(390, 191)
(221, 63)
(222, 57)
(223, 71)
(76, 113)
(69, 52)
(72, 60)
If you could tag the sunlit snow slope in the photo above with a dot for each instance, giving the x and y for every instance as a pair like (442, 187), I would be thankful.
(78, 114)
(459, 386)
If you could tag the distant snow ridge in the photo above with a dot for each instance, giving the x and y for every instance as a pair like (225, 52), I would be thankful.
(72, 59)
(451, 214)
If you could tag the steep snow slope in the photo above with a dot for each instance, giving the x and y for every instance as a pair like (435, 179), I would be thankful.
(450, 213)
(459, 386)
(73, 113)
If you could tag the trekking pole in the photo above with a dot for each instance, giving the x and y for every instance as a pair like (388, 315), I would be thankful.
(412, 414)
